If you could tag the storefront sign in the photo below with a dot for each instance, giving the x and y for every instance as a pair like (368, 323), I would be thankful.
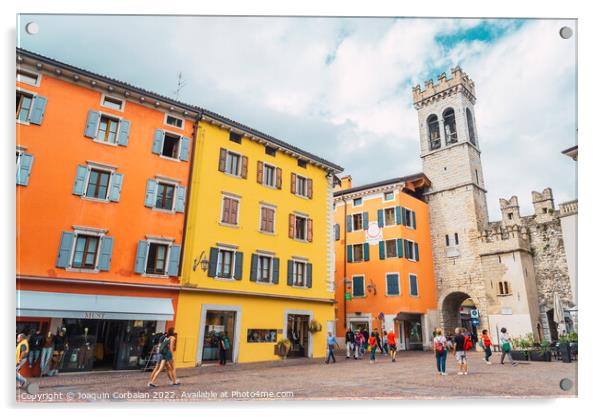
(93, 315)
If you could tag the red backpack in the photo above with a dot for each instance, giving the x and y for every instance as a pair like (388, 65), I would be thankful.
(467, 343)
(438, 346)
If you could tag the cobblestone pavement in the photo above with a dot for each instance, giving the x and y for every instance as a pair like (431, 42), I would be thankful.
(412, 376)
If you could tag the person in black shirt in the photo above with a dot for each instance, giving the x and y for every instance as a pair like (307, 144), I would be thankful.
(59, 346)
(459, 351)
(36, 341)
(349, 341)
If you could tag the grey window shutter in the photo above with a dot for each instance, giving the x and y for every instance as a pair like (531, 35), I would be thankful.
(365, 220)
(92, 124)
(366, 251)
(124, 132)
(64, 257)
(174, 261)
(116, 181)
(151, 191)
(404, 220)
(349, 223)
(106, 251)
(25, 163)
(37, 110)
(80, 180)
(213, 254)
(381, 219)
(400, 248)
(238, 266)
(254, 262)
(309, 272)
(414, 219)
(398, 215)
(381, 249)
(158, 141)
(184, 148)
(289, 273)
(180, 199)
(337, 232)
(139, 266)
(275, 270)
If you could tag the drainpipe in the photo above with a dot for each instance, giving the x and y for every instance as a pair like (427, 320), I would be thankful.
(345, 263)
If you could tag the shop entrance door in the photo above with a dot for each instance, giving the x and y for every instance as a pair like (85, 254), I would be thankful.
(298, 334)
(218, 324)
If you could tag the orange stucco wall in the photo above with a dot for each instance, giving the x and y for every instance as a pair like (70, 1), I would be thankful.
(46, 206)
(375, 270)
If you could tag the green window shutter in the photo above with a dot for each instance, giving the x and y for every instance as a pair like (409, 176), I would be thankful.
(106, 251)
(174, 260)
(24, 170)
(406, 249)
(400, 248)
(366, 251)
(413, 219)
(213, 255)
(124, 133)
(238, 256)
(381, 218)
(37, 110)
(413, 285)
(404, 212)
(80, 180)
(180, 199)
(139, 265)
(158, 141)
(398, 214)
(416, 251)
(358, 286)
(349, 253)
(254, 265)
(381, 249)
(151, 192)
(64, 258)
(92, 124)
(309, 273)
(365, 220)
(392, 284)
(289, 273)
(275, 270)
(116, 181)
(184, 148)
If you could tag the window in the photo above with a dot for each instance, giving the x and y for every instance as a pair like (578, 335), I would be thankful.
(391, 248)
(230, 211)
(156, 260)
(358, 253)
(98, 184)
(411, 250)
(107, 129)
(27, 77)
(389, 196)
(233, 164)
(470, 122)
(266, 223)
(235, 137)
(409, 216)
(112, 103)
(358, 221)
(449, 126)
(300, 228)
(24, 103)
(390, 218)
(269, 175)
(85, 251)
(413, 285)
(302, 163)
(392, 284)
(171, 146)
(299, 274)
(24, 163)
(357, 202)
(433, 132)
(446, 240)
(264, 269)
(301, 186)
(456, 239)
(476, 175)
(225, 263)
(359, 289)
(269, 150)
(503, 288)
(174, 121)
(165, 196)
(510, 215)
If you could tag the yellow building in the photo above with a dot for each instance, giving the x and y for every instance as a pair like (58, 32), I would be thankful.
(258, 253)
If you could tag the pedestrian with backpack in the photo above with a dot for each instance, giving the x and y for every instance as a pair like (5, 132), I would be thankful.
(486, 345)
(460, 349)
(506, 342)
(224, 347)
(166, 343)
(440, 348)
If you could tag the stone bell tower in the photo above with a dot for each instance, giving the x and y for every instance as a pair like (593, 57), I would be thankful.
(449, 148)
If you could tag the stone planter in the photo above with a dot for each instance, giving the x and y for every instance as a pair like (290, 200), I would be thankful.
(520, 355)
(540, 356)
(281, 351)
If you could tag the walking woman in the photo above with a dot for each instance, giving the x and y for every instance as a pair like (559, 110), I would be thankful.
(359, 341)
(486, 344)
(372, 347)
(166, 346)
(506, 342)
(440, 347)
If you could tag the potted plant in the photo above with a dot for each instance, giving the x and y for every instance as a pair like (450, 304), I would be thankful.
(542, 352)
(564, 347)
(282, 348)
(314, 326)
(520, 348)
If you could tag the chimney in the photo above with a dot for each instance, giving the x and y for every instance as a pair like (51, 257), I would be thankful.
(345, 183)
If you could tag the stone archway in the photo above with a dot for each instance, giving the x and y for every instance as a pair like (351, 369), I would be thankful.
(449, 308)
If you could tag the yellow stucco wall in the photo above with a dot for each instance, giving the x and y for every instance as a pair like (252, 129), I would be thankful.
(205, 231)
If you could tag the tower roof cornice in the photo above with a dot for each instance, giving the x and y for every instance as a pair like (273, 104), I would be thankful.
(460, 82)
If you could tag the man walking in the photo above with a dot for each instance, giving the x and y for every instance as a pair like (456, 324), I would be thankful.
(22, 352)
(349, 340)
(460, 352)
(331, 341)
(392, 344)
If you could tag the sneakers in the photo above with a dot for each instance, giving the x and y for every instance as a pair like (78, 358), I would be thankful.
(465, 373)
(371, 361)
(514, 363)
(177, 382)
(151, 385)
(488, 362)
(443, 374)
(460, 373)
(393, 360)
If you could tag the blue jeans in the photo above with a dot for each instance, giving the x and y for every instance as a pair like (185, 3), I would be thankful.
(441, 358)
(46, 356)
(33, 357)
(330, 354)
(488, 353)
(372, 353)
(21, 380)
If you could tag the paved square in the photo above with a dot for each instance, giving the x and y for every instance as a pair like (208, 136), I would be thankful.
(412, 376)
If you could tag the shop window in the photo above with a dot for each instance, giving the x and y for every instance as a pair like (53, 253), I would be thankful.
(230, 210)
(261, 335)
(359, 288)
(156, 262)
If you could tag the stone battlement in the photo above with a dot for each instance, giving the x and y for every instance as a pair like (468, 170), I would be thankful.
(460, 82)
(499, 239)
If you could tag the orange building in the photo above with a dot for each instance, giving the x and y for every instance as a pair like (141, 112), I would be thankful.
(384, 267)
(102, 176)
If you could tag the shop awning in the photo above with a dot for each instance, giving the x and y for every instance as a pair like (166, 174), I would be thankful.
(88, 306)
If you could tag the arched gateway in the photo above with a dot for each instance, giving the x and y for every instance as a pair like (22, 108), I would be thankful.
(457, 310)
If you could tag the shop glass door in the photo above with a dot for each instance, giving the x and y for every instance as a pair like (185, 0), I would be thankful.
(298, 334)
(218, 323)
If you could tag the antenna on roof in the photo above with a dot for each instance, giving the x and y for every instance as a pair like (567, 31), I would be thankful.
(180, 87)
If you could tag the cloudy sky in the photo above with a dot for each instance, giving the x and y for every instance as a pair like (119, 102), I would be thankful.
(341, 88)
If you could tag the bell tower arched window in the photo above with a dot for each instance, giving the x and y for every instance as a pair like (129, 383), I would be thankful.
(470, 123)
(434, 134)
(449, 126)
